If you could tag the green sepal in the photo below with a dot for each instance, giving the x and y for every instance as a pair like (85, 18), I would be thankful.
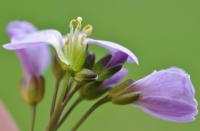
(121, 88)
(125, 99)
(92, 90)
(85, 75)
(102, 63)
(109, 72)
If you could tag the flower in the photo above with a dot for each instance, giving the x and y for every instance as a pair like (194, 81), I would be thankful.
(72, 49)
(34, 60)
(167, 94)
(6, 121)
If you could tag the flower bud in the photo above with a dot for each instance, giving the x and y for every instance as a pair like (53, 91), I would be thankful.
(105, 74)
(102, 63)
(90, 60)
(92, 90)
(85, 75)
(57, 69)
(32, 90)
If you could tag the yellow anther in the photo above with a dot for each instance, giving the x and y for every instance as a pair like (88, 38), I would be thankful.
(79, 20)
(87, 29)
(72, 24)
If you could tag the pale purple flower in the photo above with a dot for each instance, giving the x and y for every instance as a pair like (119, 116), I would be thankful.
(167, 94)
(6, 121)
(55, 38)
(35, 59)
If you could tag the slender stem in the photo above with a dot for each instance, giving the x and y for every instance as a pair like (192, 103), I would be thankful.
(76, 102)
(70, 95)
(56, 114)
(89, 112)
(33, 117)
(57, 83)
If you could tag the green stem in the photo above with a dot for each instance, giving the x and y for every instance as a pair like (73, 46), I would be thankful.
(57, 83)
(33, 117)
(58, 109)
(77, 101)
(89, 112)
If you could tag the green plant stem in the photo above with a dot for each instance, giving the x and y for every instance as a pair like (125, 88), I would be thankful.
(89, 112)
(33, 117)
(76, 102)
(57, 83)
(58, 110)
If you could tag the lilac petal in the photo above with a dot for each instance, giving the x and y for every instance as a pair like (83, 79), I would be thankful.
(118, 58)
(39, 38)
(18, 28)
(34, 63)
(114, 47)
(116, 78)
(6, 121)
(170, 85)
(168, 109)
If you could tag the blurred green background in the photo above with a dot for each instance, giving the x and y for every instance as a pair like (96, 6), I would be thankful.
(162, 33)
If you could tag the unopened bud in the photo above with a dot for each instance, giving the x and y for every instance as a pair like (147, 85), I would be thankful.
(102, 63)
(32, 90)
(85, 75)
(92, 90)
(107, 73)
(90, 60)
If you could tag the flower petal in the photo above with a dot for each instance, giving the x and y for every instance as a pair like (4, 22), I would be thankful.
(34, 63)
(173, 83)
(118, 58)
(18, 28)
(44, 37)
(114, 47)
(116, 78)
(168, 94)
(6, 121)
(168, 109)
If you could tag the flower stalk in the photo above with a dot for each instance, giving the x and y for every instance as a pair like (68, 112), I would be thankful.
(99, 103)
(33, 119)
(57, 83)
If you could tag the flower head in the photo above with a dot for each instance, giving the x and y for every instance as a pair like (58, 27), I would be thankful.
(34, 61)
(72, 49)
(167, 94)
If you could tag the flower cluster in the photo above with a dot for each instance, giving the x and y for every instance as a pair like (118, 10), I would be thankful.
(167, 94)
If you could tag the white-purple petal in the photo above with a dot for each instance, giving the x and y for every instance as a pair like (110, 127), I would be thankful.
(113, 47)
(118, 58)
(167, 94)
(115, 79)
(34, 59)
(44, 37)
(19, 28)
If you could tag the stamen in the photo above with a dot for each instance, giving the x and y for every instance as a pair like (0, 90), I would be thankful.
(82, 40)
(71, 25)
(79, 20)
(87, 29)
(67, 42)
